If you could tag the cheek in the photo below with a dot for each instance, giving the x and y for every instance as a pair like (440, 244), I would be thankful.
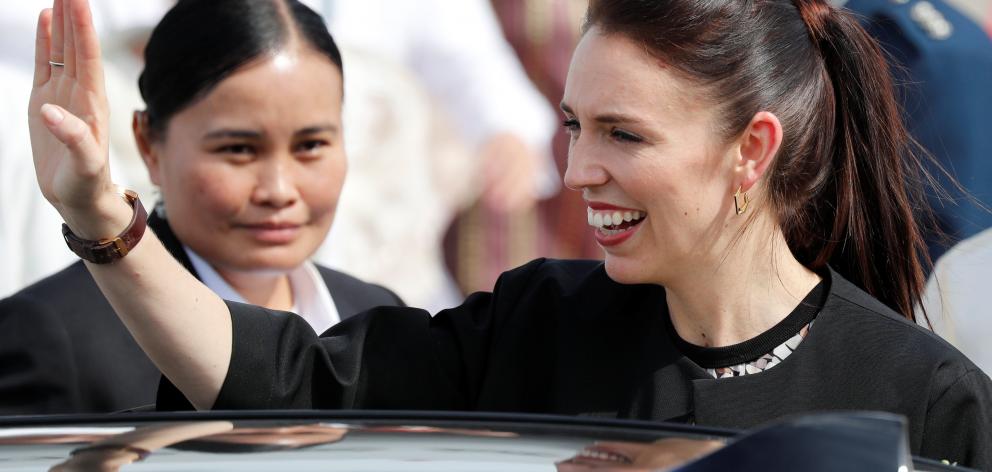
(320, 185)
(687, 189)
(214, 192)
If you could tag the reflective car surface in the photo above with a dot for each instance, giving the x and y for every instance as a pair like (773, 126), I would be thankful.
(428, 441)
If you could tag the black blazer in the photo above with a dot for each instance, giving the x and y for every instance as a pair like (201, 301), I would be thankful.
(63, 349)
(561, 337)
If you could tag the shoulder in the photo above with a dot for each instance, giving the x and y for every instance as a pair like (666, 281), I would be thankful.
(867, 326)
(575, 289)
(561, 275)
(367, 294)
(38, 323)
(70, 287)
(68, 301)
(970, 253)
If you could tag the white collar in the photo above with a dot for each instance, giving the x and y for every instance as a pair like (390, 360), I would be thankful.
(311, 298)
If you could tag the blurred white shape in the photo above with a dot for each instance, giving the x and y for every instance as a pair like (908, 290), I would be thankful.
(955, 298)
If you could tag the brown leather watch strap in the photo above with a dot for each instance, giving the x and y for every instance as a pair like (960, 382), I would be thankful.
(106, 251)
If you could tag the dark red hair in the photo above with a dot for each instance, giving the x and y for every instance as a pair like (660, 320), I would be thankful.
(847, 189)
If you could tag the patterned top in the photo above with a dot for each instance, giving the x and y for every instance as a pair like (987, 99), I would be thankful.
(764, 362)
(764, 351)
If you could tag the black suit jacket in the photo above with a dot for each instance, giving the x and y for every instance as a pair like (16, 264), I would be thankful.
(63, 349)
(561, 337)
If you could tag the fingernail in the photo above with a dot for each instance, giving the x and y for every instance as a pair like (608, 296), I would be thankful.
(52, 114)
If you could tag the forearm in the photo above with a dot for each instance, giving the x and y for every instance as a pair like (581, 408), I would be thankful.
(181, 324)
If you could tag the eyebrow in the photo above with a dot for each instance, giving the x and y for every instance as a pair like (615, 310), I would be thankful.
(606, 118)
(232, 133)
(327, 128)
(251, 134)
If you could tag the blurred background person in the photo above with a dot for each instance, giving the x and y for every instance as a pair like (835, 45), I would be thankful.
(980, 11)
(458, 54)
(407, 178)
(955, 300)
(943, 63)
(28, 247)
(249, 169)
(544, 33)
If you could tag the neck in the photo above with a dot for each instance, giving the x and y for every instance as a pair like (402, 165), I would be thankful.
(735, 298)
(265, 289)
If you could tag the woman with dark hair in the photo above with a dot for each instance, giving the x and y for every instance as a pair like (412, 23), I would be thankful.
(747, 175)
(243, 135)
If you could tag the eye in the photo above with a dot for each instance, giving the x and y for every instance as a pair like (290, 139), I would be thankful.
(571, 125)
(236, 149)
(237, 153)
(624, 136)
(311, 148)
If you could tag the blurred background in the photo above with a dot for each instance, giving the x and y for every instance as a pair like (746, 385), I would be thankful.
(453, 135)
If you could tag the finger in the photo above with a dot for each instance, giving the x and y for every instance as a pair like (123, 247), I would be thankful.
(74, 133)
(69, 35)
(57, 40)
(88, 66)
(42, 44)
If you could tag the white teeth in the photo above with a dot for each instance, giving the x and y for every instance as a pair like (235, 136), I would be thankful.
(604, 219)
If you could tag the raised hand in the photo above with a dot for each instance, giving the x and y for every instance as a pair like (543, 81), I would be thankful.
(175, 319)
(68, 119)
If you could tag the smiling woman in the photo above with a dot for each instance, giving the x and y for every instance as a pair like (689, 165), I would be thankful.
(242, 135)
(745, 168)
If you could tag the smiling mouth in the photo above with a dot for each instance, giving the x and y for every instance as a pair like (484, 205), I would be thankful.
(613, 222)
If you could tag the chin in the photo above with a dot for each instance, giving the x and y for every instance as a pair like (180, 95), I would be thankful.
(626, 271)
(277, 260)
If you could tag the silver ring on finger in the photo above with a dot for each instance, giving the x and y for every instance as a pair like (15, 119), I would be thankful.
(56, 64)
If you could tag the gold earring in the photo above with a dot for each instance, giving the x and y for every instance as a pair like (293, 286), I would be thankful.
(737, 203)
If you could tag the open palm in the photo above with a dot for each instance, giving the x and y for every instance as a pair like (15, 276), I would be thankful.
(68, 113)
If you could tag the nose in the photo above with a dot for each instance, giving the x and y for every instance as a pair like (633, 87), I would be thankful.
(276, 185)
(585, 168)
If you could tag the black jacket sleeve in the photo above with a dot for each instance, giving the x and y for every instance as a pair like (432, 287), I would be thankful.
(384, 358)
(958, 425)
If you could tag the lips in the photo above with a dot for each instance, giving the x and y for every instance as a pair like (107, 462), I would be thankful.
(273, 233)
(613, 224)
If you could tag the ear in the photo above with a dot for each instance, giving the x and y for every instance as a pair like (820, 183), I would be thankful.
(758, 146)
(143, 138)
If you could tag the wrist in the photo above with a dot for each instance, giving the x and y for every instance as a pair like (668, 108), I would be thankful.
(105, 218)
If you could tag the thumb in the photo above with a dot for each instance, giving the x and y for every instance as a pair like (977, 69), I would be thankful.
(73, 132)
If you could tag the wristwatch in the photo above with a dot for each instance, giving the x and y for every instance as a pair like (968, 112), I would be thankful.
(106, 251)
